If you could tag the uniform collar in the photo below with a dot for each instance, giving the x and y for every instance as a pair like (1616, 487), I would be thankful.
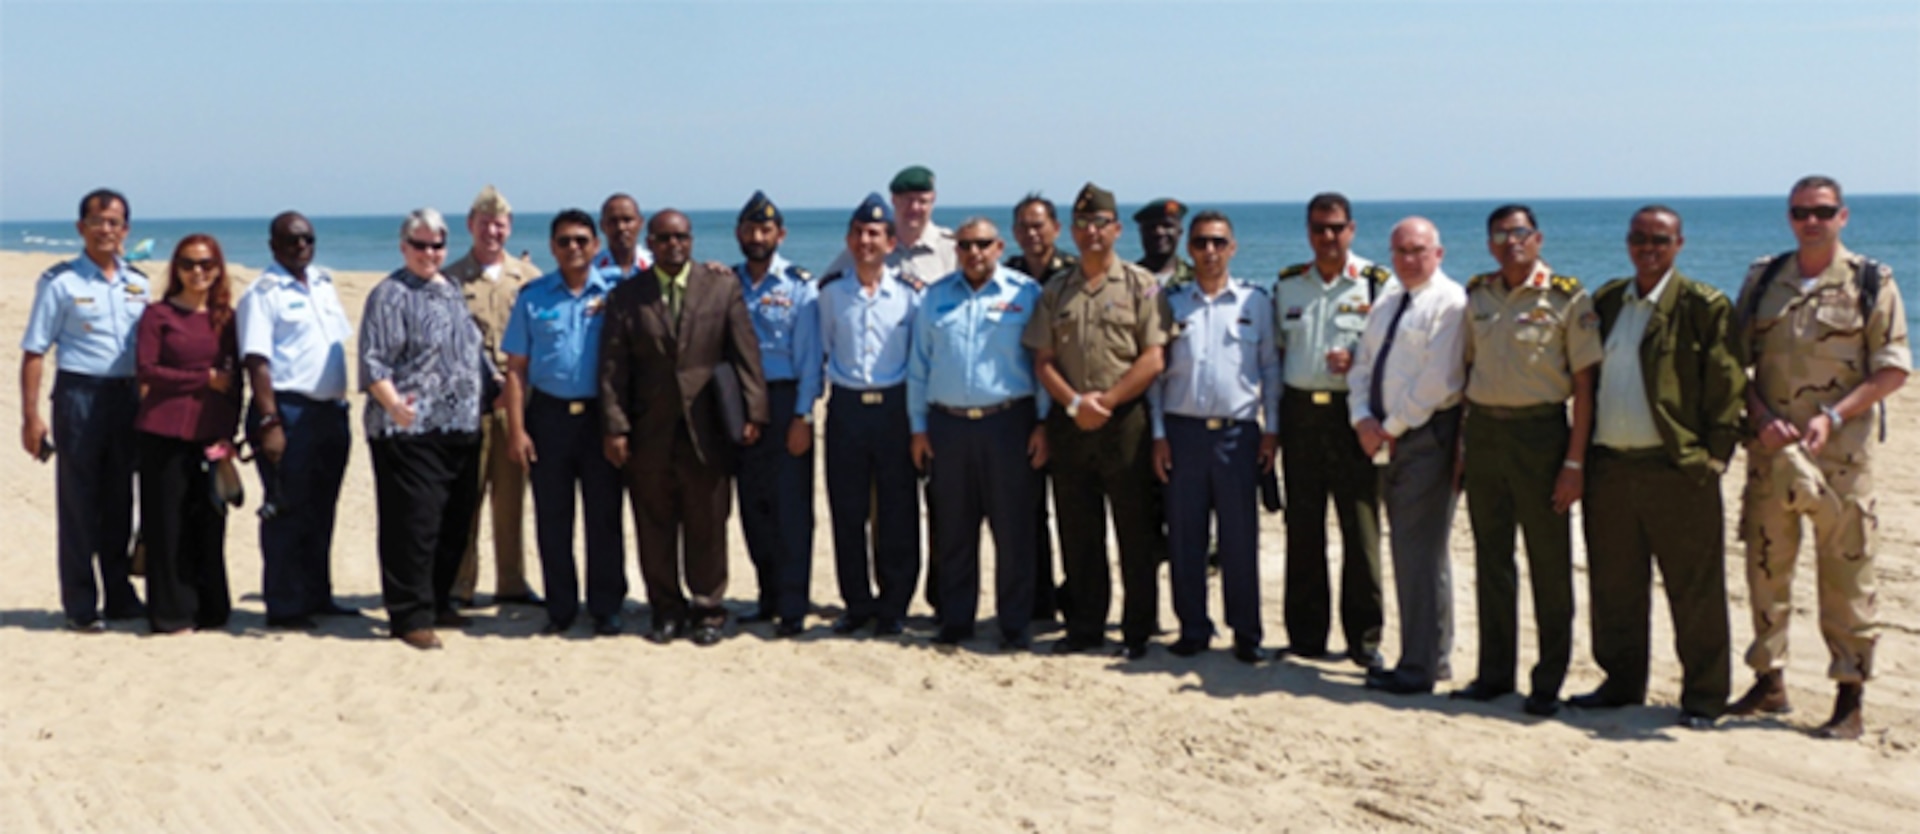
(1350, 272)
(776, 271)
(1230, 292)
(929, 235)
(279, 273)
(1659, 289)
(92, 271)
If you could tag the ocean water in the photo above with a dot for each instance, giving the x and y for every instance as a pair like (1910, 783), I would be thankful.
(1584, 238)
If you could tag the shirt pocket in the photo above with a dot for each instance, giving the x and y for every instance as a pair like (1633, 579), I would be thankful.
(1839, 329)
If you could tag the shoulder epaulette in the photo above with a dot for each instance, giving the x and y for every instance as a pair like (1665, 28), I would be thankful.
(911, 280)
(1481, 280)
(1294, 271)
(799, 273)
(1376, 273)
(832, 277)
(1566, 284)
(136, 270)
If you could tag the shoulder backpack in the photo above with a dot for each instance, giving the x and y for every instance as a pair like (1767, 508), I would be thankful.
(1867, 273)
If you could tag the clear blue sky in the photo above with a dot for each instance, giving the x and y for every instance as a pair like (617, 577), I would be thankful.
(245, 108)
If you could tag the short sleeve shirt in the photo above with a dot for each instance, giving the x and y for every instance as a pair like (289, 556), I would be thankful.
(1524, 344)
(91, 318)
(1097, 332)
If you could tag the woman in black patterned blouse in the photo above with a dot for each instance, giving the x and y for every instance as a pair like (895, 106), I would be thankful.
(422, 366)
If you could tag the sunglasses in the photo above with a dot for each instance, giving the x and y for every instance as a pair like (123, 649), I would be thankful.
(1822, 212)
(426, 245)
(1519, 234)
(305, 238)
(1096, 222)
(1642, 239)
(199, 265)
(573, 241)
(672, 236)
(1317, 229)
(974, 245)
(1211, 242)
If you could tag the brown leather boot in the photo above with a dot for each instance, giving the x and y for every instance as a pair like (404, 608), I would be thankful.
(1768, 695)
(1846, 722)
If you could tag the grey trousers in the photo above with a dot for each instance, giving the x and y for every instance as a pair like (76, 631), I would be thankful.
(1417, 490)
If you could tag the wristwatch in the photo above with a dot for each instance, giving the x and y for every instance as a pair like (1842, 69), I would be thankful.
(1833, 416)
(1073, 407)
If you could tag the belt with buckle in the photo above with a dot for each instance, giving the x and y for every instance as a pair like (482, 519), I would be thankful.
(1218, 423)
(868, 396)
(872, 397)
(979, 412)
(1524, 412)
(575, 408)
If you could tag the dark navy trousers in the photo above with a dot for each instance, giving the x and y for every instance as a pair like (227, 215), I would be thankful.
(567, 456)
(776, 509)
(870, 467)
(93, 482)
(296, 543)
(981, 471)
(1215, 476)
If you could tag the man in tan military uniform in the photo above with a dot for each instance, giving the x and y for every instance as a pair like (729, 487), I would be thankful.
(1533, 340)
(1097, 339)
(1825, 334)
(491, 279)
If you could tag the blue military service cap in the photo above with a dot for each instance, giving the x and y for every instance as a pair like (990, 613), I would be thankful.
(759, 209)
(874, 209)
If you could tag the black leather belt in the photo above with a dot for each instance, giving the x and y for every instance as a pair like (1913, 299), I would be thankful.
(980, 412)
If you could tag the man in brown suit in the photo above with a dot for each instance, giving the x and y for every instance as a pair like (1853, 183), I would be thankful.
(668, 330)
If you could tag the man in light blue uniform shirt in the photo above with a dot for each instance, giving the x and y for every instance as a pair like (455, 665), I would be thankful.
(293, 334)
(971, 405)
(552, 342)
(866, 318)
(89, 308)
(1222, 373)
(775, 482)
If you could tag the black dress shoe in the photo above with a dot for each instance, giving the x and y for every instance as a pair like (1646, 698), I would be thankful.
(130, 611)
(463, 602)
(763, 614)
(1597, 699)
(1695, 721)
(789, 627)
(449, 618)
(294, 623)
(93, 626)
(608, 626)
(1132, 650)
(528, 598)
(1016, 643)
(557, 627)
(334, 609)
(887, 627)
(664, 633)
(951, 636)
(1393, 684)
(707, 634)
(1480, 691)
(1187, 647)
(1543, 706)
(1249, 653)
(848, 624)
(1075, 645)
(1367, 659)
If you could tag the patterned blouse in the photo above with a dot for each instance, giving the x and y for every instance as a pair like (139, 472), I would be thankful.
(419, 334)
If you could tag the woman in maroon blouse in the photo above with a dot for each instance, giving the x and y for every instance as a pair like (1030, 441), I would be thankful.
(187, 353)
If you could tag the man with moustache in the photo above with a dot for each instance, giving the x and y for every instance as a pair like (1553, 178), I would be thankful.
(1321, 311)
(775, 482)
(1533, 341)
(1036, 227)
(666, 332)
(490, 278)
(1159, 224)
(1825, 333)
(1406, 383)
(1098, 339)
(970, 401)
(293, 334)
(625, 254)
(1666, 421)
(89, 308)
(552, 393)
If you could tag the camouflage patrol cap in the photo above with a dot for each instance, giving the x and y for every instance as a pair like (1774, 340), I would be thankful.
(1160, 209)
(874, 209)
(1094, 198)
(759, 209)
(911, 179)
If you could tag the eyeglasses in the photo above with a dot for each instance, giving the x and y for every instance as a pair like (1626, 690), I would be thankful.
(1096, 222)
(975, 245)
(1211, 242)
(426, 245)
(1822, 212)
(108, 223)
(1318, 229)
(1518, 234)
(573, 241)
(1412, 251)
(306, 239)
(199, 265)
(1642, 239)
(671, 236)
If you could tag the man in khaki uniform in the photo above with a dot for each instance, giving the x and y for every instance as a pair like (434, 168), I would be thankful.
(491, 279)
(1533, 340)
(1825, 334)
(1097, 339)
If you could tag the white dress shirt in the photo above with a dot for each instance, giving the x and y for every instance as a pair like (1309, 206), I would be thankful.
(1426, 370)
(1623, 419)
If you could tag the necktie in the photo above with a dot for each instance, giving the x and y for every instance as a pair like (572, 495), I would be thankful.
(1376, 389)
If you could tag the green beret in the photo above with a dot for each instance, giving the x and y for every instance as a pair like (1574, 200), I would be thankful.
(1094, 198)
(1160, 209)
(911, 179)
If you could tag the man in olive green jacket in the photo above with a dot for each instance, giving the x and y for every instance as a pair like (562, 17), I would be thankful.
(1668, 418)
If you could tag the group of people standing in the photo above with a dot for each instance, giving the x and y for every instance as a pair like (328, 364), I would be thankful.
(1163, 392)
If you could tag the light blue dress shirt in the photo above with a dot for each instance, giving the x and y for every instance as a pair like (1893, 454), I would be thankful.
(864, 336)
(1221, 360)
(786, 317)
(558, 333)
(299, 328)
(92, 320)
(966, 349)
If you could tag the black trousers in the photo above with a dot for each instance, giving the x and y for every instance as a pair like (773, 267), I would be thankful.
(1093, 470)
(1320, 458)
(568, 456)
(1215, 482)
(93, 480)
(776, 509)
(186, 536)
(296, 543)
(981, 472)
(424, 489)
(870, 467)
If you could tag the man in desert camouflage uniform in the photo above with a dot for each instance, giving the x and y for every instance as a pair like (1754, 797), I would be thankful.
(1825, 334)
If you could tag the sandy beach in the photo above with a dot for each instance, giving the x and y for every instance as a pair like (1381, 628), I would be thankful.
(342, 728)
